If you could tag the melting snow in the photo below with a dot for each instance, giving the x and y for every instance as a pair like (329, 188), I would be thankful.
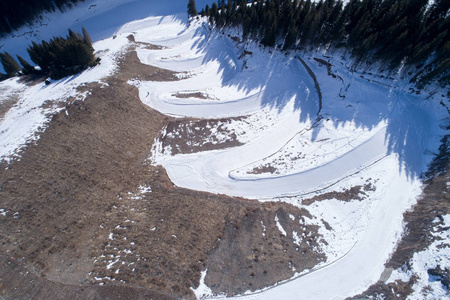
(280, 228)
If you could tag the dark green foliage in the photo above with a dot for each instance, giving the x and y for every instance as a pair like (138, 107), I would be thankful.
(192, 10)
(14, 14)
(64, 56)
(10, 65)
(27, 69)
(388, 31)
(87, 40)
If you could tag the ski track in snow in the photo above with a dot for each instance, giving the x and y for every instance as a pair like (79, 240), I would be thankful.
(373, 134)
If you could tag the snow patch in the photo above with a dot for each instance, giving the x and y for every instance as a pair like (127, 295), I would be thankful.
(280, 228)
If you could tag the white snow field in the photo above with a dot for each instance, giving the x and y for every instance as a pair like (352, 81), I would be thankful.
(368, 130)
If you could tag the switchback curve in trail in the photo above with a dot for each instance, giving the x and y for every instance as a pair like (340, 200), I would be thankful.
(276, 102)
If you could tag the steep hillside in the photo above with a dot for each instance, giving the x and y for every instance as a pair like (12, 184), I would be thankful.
(194, 163)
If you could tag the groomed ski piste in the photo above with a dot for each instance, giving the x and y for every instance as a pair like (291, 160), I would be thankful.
(362, 130)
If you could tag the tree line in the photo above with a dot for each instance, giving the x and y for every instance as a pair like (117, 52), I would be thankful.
(14, 14)
(57, 58)
(392, 32)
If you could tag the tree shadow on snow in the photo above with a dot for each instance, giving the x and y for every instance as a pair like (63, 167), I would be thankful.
(281, 78)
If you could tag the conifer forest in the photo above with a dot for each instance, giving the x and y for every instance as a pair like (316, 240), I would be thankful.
(391, 33)
(14, 14)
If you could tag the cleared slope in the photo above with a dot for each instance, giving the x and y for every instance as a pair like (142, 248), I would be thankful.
(251, 83)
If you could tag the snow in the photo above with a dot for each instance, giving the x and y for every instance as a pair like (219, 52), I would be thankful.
(202, 291)
(369, 129)
(437, 254)
(280, 228)
(102, 19)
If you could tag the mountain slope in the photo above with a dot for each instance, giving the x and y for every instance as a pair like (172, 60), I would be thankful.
(85, 201)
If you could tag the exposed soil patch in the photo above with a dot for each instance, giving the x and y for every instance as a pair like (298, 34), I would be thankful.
(82, 206)
(253, 253)
(191, 95)
(268, 168)
(142, 45)
(132, 68)
(7, 104)
(191, 136)
(24, 284)
(357, 192)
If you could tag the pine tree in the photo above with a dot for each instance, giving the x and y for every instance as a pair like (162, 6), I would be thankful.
(10, 65)
(3, 76)
(192, 10)
(26, 67)
(64, 56)
(291, 37)
(87, 38)
(214, 13)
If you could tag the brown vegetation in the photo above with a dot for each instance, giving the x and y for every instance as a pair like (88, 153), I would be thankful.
(73, 199)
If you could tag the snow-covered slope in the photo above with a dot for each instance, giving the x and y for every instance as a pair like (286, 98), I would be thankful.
(102, 18)
(366, 132)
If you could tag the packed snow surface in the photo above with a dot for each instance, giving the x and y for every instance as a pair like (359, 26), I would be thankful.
(367, 130)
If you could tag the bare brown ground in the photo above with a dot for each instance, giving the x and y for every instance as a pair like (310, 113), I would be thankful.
(193, 135)
(357, 192)
(73, 207)
(6, 104)
(253, 253)
(17, 281)
(190, 95)
(268, 168)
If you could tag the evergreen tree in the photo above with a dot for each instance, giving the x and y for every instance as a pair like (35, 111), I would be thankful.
(3, 76)
(10, 65)
(87, 38)
(64, 56)
(291, 37)
(14, 14)
(214, 13)
(26, 67)
(192, 10)
(384, 31)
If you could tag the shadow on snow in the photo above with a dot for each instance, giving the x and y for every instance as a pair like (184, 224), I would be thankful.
(365, 104)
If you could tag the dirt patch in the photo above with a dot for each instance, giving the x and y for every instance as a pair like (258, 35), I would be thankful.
(253, 253)
(27, 285)
(197, 95)
(358, 192)
(83, 206)
(143, 45)
(6, 104)
(268, 168)
(132, 68)
(191, 136)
